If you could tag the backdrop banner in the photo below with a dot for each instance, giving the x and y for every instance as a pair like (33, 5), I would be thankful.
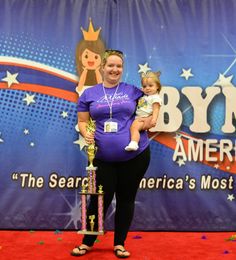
(50, 51)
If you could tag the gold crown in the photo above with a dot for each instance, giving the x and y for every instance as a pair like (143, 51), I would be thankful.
(90, 35)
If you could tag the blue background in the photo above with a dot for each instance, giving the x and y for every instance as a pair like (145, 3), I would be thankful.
(168, 35)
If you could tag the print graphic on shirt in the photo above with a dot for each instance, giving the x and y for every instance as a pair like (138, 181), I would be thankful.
(142, 103)
(119, 98)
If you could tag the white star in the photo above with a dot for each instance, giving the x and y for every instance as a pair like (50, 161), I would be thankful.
(11, 79)
(216, 166)
(32, 144)
(226, 55)
(230, 197)
(180, 162)
(113, 208)
(64, 114)
(1, 140)
(81, 142)
(224, 81)
(77, 128)
(29, 99)
(26, 131)
(143, 68)
(74, 214)
(186, 74)
(177, 137)
(227, 168)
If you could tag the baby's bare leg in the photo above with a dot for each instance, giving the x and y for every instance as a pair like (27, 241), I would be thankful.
(135, 128)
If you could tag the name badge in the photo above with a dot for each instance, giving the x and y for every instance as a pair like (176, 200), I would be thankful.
(110, 127)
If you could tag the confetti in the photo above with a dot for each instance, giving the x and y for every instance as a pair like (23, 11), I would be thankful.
(226, 252)
(232, 238)
(40, 242)
(59, 238)
(97, 241)
(204, 237)
(137, 237)
(57, 232)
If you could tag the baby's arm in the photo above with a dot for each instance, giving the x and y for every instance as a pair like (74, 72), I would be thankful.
(156, 108)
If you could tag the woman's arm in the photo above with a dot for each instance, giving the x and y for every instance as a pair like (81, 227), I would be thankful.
(150, 121)
(146, 122)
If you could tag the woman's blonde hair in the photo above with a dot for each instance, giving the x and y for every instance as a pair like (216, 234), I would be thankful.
(110, 52)
(154, 75)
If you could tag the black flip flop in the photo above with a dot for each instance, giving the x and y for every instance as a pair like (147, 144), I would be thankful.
(80, 249)
(122, 251)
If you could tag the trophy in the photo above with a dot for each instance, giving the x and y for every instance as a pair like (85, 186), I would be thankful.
(88, 222)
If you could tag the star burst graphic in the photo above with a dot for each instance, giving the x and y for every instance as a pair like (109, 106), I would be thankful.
(74, 213)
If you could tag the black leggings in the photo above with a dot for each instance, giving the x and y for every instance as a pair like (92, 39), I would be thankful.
(121, 179)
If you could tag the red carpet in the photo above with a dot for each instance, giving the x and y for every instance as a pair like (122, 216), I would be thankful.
(50, 245)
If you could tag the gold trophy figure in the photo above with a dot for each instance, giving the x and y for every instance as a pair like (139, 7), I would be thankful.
(91, 126)
(92, 217)
(91, 150)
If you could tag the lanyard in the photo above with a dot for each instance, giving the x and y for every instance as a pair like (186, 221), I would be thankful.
(112, 99)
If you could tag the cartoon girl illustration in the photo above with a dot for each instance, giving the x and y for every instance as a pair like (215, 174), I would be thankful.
(88, 58)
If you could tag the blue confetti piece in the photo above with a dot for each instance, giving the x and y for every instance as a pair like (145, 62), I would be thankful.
(57, 232)
(226, 252)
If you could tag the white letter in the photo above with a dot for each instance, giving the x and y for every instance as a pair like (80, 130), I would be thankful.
(210, 150)
(226, 149)
(179, 146)
(170, 117)
(230, 109)
(196, 151)
(200, 106)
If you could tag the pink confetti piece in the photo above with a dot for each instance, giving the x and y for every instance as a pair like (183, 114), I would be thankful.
(137, 237)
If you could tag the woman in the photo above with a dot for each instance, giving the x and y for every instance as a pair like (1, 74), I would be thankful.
(112, 105)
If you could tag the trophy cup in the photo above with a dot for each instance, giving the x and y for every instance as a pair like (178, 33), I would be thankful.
(87, 222)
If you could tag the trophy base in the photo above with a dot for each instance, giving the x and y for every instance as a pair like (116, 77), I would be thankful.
(91, 168)
(91, 193)
(86, 232)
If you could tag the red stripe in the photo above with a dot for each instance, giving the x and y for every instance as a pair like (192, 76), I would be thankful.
(168, 140)
(39, 69)
(60, 93)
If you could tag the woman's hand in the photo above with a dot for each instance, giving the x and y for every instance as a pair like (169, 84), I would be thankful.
(89, 138)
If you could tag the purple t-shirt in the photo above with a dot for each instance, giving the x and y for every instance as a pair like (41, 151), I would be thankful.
(111, 146)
